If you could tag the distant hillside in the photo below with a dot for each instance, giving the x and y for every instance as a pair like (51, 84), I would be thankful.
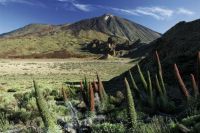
(178, 45)
(40, 39)
(29, 29)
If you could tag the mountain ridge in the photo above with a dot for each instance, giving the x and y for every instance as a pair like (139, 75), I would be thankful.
(42, 38)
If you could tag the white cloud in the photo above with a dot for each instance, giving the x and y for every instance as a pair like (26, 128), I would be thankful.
(185, 11)
(27, 2)
(77, 5)
(131, 12)
(4, 2)
(159, 13)
(83, 7)
(156, 12)
(66, 0)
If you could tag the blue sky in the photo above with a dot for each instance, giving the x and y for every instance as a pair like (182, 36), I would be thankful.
(158, 15)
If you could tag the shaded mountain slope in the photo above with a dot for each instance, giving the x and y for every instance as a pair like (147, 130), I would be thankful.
(178, 45)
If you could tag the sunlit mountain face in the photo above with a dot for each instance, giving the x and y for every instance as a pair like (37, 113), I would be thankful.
(49, 41)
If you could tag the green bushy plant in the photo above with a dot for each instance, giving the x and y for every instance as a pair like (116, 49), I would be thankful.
(4, 123)
(131, 112)
(48, 119)
(104, 98)
(108, 128)
(150, 92)
(23, 99)
(191, 120)
(157, 125)
(143, 80)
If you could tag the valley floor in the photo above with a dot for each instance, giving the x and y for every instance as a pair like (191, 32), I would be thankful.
(18, 73)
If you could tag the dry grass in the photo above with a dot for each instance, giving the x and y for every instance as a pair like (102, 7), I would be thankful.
(51, 73)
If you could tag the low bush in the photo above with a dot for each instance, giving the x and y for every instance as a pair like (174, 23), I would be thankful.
(108, 128)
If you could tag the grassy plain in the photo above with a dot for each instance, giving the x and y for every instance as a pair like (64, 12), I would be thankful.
(51, 73)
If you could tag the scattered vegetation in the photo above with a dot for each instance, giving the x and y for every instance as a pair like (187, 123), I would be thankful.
(88, 106)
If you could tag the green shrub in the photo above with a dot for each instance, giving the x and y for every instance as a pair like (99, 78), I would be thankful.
(48, 119)
(150, 92)
(118, 115)
(23, 99)
(144, 82)
(108, 128)
(160, 74)
(133, 81)
(131, 112)
(54, 93)
(102, 93)
(157, 125)
(4, 123)
(22, 116)
(191, 120)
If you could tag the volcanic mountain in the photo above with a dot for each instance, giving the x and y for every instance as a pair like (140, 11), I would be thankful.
(116, 26)
(37, 40)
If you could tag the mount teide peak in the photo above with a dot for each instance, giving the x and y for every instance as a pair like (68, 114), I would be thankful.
(116, 26)
(45, 38)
